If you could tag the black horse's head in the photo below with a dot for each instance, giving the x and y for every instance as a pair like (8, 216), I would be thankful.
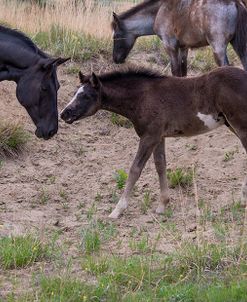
(123, 40)
(37, 88)
(86, 100)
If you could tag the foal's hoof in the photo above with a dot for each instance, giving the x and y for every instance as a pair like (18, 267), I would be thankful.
(160, 210)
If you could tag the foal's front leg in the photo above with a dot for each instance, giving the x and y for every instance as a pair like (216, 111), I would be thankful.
(145, 150)
(160, 165)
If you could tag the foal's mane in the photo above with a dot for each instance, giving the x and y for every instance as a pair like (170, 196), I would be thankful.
(137, 8)
(131, 72)
(21, 36)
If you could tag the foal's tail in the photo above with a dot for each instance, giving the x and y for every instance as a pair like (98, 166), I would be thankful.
(239, 41)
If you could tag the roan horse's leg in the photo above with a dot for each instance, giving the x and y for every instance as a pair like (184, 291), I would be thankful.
(145, 150)
(160, 165)
(220, 54)
(175, 62)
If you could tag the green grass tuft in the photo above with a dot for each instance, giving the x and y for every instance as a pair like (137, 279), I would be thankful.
(91, 242)
(21, 251)
(121, 177)
(120, 121)
(13, 139)
(180, 177)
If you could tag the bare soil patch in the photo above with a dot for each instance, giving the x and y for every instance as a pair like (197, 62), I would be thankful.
(55, 183)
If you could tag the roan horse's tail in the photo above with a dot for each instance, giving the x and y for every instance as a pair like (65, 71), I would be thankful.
(239, 41)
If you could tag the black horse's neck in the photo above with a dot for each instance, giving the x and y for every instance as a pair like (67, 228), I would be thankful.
(17, 49)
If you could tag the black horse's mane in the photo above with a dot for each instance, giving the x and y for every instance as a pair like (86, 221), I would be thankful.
(19, 35)
(136, 8)
(131, 72)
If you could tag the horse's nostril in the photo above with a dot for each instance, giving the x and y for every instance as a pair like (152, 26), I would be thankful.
(52, 133)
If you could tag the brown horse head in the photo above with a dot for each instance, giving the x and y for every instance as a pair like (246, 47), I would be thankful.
(86, 100)
(36, 90)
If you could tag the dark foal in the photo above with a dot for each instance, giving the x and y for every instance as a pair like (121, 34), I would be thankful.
(35, 74)
(184, 24)
(161, 106)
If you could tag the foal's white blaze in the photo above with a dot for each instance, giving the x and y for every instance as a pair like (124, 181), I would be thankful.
(80, 90)
(209, 121)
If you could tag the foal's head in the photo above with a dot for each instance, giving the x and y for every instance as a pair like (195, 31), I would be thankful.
(86, 100)
(37, 88)
(123, 40)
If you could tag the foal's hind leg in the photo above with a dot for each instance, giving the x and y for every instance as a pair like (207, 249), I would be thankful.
(243, 138)
(145, 150)
(160, 165)
(238, 126)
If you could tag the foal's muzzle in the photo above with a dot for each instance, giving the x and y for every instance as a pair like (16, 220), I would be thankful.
(68, 116)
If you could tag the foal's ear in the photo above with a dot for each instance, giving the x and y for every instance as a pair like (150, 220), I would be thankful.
(83, 78)
(94, 81)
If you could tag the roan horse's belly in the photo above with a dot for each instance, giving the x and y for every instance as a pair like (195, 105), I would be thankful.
(199, 22)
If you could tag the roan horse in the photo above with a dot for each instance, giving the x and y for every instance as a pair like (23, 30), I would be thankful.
(35, 74)
(161, 106)
(184, 24)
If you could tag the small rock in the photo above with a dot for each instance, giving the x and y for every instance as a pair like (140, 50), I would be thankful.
(57, 223)
(192, 228)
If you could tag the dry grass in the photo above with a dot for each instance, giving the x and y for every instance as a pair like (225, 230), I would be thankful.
(62, 28)
(85, 18)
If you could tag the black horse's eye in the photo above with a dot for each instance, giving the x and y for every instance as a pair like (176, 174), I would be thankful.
(44, 88)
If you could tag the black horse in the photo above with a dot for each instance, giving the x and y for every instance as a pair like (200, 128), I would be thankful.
(35, 74)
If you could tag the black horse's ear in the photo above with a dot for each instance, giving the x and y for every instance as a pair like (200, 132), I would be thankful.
(82, 77)
(116, 19)
(94, 81)
(49, 63)
(61, 61)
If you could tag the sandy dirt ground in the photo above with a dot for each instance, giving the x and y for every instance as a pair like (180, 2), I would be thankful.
(54, 184)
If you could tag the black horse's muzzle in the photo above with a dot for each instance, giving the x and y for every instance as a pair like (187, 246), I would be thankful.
(46, 134)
